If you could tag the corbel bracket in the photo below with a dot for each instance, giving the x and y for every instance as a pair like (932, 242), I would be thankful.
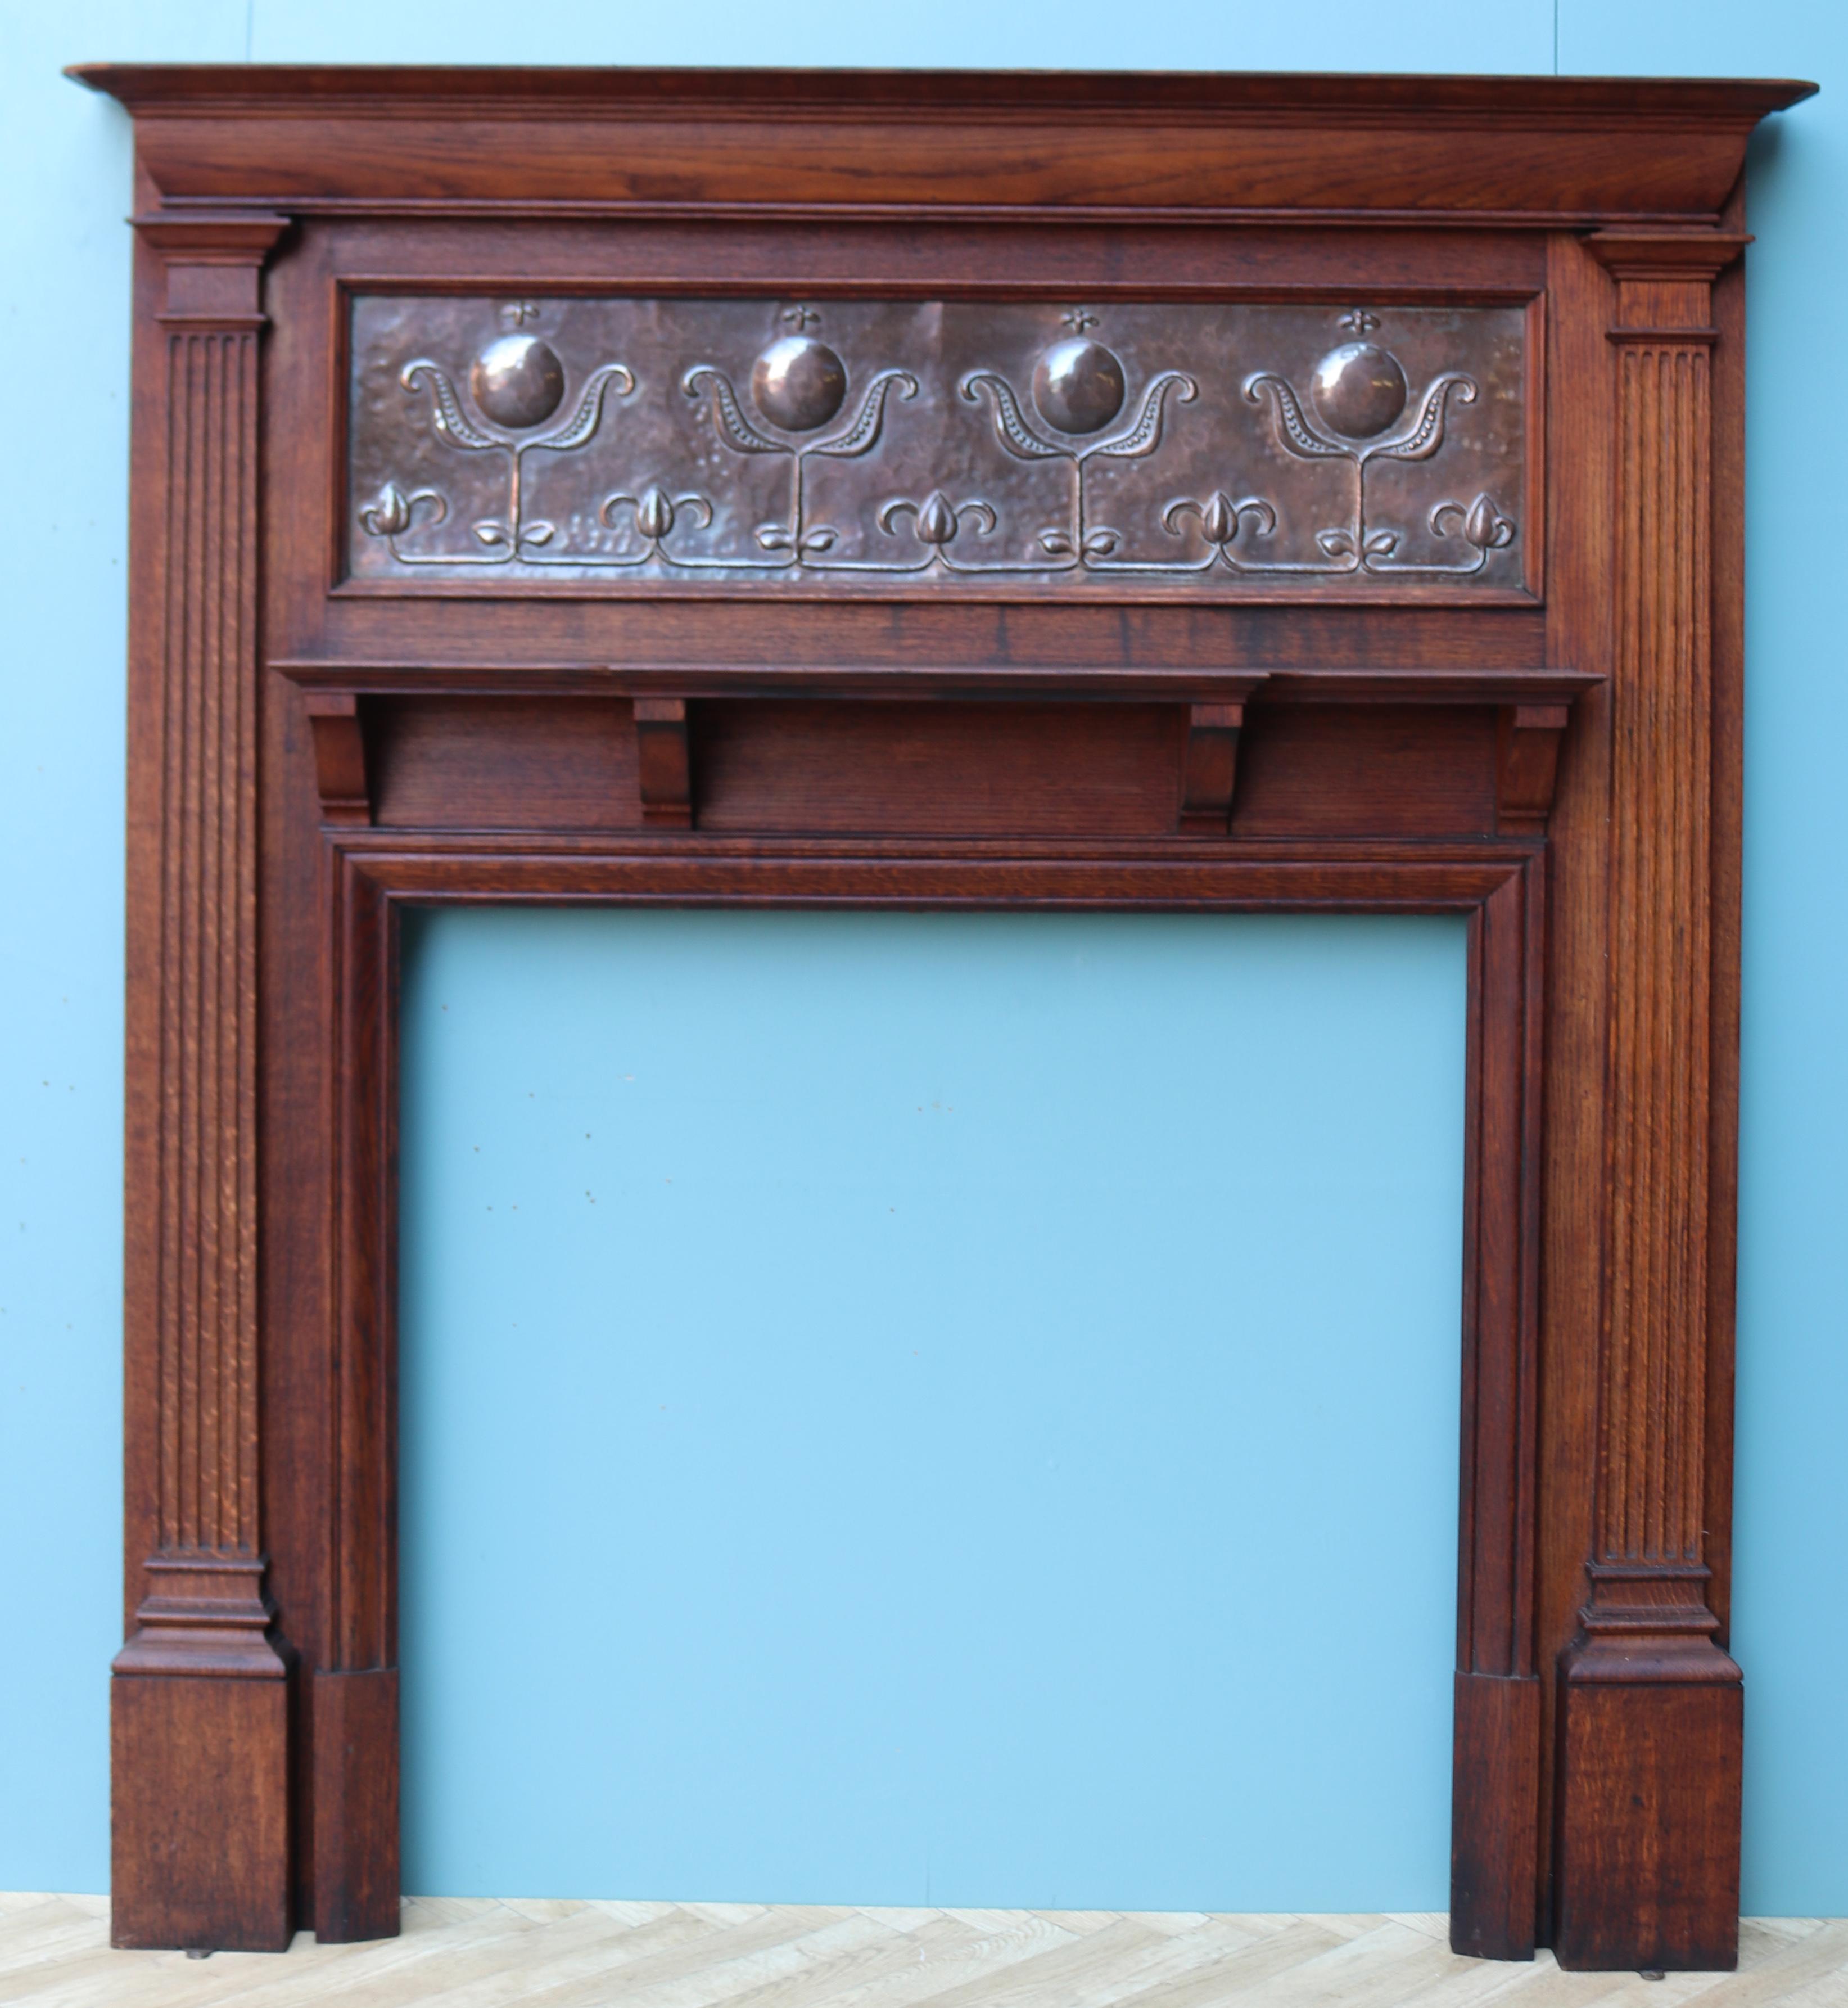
(340, 777)
(1209, 767)
(1527, 762)
(663, 762)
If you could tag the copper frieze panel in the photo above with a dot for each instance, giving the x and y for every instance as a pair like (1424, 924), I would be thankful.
(1203, 449)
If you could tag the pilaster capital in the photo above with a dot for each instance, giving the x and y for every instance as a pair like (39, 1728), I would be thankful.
(1666, 254)
(214, 262)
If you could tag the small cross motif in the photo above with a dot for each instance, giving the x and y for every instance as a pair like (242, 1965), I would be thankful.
(798, 317)
(1358, 321)
(1078, 319)
(517, 313)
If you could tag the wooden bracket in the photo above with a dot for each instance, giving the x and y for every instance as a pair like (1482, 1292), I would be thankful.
(339, 757)
(663, 765)
(1209, 767)
(1527, 761)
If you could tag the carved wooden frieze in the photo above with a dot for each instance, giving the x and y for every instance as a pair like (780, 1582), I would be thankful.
(1201, 448)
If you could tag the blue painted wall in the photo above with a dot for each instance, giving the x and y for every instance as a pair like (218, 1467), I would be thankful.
(900, 1359)
(63, 306)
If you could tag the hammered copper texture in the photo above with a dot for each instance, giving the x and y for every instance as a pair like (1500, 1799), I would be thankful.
(668, 466)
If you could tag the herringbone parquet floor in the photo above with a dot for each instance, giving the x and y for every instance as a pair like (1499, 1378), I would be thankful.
(481, 1953)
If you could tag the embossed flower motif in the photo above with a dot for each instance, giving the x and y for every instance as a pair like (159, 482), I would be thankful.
(656, 511)
(387, 514)
(1482, 524)
(1218, 523)
(1221, 519)
(654, 516)
(391, 511)
(936, 520)
(1485, 528)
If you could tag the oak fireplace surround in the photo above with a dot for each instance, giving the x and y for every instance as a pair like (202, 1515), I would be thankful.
(1246, 493)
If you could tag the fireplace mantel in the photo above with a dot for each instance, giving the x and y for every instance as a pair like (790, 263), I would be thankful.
(1239, 493)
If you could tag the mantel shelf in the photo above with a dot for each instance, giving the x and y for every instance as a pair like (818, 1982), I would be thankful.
(919, 682)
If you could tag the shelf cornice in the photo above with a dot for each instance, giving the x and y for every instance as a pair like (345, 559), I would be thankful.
(1510, 151)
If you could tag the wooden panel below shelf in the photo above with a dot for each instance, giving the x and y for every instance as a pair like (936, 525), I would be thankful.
(504, 763)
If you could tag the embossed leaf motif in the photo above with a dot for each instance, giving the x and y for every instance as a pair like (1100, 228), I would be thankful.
(1336, 543)
(450, 420)
(1381, 543)
(1056, 543)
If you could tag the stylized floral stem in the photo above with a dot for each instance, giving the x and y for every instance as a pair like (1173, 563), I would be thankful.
(504, 539)
(1358, 545)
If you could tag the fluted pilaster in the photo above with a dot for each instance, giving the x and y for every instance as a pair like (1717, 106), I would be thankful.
(200, 1707)
(1650, 1709)
(202, 1606)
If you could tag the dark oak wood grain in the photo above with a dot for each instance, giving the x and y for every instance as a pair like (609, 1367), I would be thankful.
(1494, 1794)
(663, 761)
(199, 1706)
(356, 1793)
(1531, 151)
(199, 1845)
(1647, 1653)
(312, 754)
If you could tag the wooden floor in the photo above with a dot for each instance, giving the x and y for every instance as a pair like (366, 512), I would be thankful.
(479, 1954)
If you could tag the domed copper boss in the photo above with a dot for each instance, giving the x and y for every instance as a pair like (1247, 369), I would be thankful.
(1359, 389)
(518, 381)
(799, 383)
(1079, 385)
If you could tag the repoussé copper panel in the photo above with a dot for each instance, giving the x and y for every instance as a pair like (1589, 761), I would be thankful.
(1217, 448)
